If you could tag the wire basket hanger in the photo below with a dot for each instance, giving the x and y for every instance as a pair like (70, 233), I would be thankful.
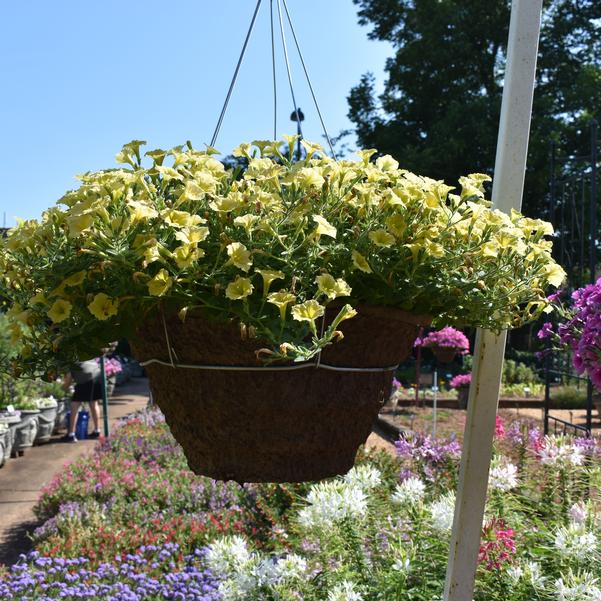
(296, 110)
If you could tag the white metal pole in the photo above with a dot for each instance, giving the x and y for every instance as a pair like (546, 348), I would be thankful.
(508, 186)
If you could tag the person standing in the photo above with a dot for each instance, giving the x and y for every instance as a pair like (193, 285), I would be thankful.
(87, 377)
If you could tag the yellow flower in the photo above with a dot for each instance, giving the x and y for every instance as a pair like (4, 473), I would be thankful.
(238, 289)
(38, 298)
(160, 283)
(555, 274)
(192, 235)
(233, 201)
(332, 288)
(103, 306)
(268, 277)
(281, 300)
(360, 262)
(60, 310)
(180, 218)
(246, 221)
(152, 254)
(186, 254)
(140, 211)
(79, 223)
(310, 177)
(387, 163)
(75, 280)
(308, 311)
(381, 238)
(396, 224)
(324, 228)
(239, 256)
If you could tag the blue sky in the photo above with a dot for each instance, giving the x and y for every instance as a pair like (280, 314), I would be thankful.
(79, 79)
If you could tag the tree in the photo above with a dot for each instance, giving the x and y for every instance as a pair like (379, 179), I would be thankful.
(439, 111)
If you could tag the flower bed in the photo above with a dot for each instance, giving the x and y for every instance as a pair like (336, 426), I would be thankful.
(132, 522)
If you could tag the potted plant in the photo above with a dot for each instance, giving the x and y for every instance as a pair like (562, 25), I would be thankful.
(5, 443)
(446, 343)
(579, 331)
(10, 418)
(461, 383)
(271, 303)
(48, 407)
(112, 369)
(27, 428)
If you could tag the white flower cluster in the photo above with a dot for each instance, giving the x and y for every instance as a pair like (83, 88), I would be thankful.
(503, 477)
(578, 513)
(409, 492)
(557, 452)
(578, 588)
(345, 591)
(246, 572)
(365, 477)
(530, 572)
(574, 542)
(331, 502)
(442, 512)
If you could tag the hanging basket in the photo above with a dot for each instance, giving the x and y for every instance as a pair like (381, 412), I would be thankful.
(265, 425)
(444, 354)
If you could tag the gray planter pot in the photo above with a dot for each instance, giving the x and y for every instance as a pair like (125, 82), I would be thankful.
(12, 421)
(64, 405)
(5, 444)
(46, 423)
(25, 432)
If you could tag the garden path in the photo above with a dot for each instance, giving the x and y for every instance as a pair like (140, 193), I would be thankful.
(22, 479)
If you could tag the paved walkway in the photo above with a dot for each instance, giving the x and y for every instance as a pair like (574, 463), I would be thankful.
(22, 479)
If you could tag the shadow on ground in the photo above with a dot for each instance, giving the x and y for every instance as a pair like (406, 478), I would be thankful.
(16, 541)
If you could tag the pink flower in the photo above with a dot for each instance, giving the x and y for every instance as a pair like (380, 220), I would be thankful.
(499, 428)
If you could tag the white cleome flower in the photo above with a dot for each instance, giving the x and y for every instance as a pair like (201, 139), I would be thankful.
(409, 492)
(331, 502)
(345, 591)
(291, 567)
(503, 477)
(534, 575)
(557, 452)
(578, 588)
(228, 555)
(574, 542)
(365, 477)
(578, 513)
(442, 512)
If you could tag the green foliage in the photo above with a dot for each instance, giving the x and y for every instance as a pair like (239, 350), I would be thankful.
(439, 110)
(568, 397)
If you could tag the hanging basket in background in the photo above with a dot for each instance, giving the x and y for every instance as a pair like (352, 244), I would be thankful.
(444, 354)
(266, 425)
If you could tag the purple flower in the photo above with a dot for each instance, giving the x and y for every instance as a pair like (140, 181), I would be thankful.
(545, 331)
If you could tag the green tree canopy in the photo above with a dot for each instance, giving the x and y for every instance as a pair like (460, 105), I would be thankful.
(439, 111)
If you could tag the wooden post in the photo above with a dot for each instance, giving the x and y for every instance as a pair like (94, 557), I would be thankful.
(510, 167)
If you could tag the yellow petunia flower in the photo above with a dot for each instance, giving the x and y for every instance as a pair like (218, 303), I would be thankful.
(360, 262)
(192, 235)
(78, 224)
(332, 288)
(186, 254)
(246, 221)
(387, 163)
(381, 238)
(74, 280)
(268, 277)
(103, 306)
(281, 300)
(140, 211)
(180, 219)
(555, 274)
(324, 227)
(238, 289)
(308, 311)
(59, 311)
(160, 283)
(239, 256)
